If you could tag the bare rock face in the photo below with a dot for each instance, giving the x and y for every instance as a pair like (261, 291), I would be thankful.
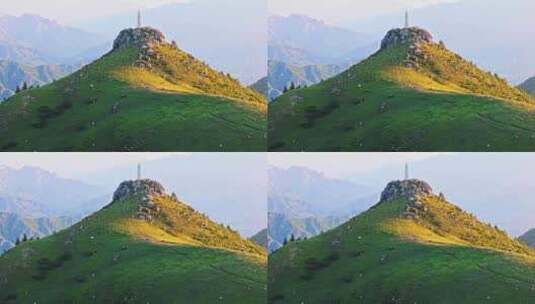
(144, 37)
(408, 189)
(406, 36)
(145, 188)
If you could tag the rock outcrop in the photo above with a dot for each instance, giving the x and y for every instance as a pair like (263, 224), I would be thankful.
(139, 37)
(406, 189)
(406, 36)
(143, 188)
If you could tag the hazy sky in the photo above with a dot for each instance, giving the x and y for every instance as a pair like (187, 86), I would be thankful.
(341, 165)
(76, 165)
(343, 11)
(74, 11)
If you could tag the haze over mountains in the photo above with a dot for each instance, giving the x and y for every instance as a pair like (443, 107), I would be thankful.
(37, 51)
(36, 202)
(304, 51)
(303, 203)
(494, 34)
(31, 42)
(234, 40)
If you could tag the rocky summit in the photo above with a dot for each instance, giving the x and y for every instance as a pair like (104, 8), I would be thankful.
(406, 36)
(406, 189)
(138, 37)
(143, 188)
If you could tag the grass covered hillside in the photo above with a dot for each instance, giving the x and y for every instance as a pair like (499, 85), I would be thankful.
(412, 95)
(145, 247)
(145, 95)
(412, 247)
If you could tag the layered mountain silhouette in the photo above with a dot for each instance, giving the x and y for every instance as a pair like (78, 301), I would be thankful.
(528, 238)
(529, 86)
(283, 76)
(412, 95)
(14, 75)
(261, 238)
(303, 203)
(145, 246)
(412, 247)
(144, 95)
(14, 227)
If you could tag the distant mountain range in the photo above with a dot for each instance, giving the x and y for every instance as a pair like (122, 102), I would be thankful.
(33, 192)
(48, 37)
(529, 86)
(321, 41)
(283, 75)
(37, 50)
(303, 51)
(36, 202)
(303, 203)
(13, 75)
(261, 238)
(14, 226)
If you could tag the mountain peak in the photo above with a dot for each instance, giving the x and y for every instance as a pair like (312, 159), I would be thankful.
(406, 36)
(406, 189)
(138, 37)
(144, 188)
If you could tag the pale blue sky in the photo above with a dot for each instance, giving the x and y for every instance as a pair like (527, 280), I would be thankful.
(343, 11)
(74, 11)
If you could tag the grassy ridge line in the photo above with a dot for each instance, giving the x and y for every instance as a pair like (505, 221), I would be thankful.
(101, 259)
(366, 261)
(94, 111)
(367, 108)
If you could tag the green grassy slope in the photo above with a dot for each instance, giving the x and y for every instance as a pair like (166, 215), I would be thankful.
(114, 257)
(442, 256)
(442, 103)
(113, 105)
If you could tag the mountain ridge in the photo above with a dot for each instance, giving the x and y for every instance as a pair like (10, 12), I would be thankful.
(212, 105)
(153, 238)
(413, 244)
(380, 105)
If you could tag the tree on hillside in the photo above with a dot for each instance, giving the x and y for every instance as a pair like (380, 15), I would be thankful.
(24, 86)
(17, 90)
(292, 238)
(292, 86)
(24, 238)
(285, 242)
